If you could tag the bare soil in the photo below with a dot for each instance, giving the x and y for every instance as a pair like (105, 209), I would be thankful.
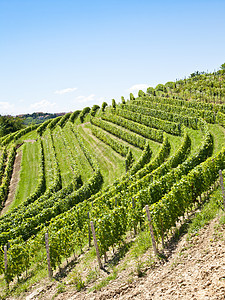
(15, 177)
(14, 181)
(195, 270)
(29, 141)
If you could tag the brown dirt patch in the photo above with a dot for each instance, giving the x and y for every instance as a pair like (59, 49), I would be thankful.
(14, 181)
(30, 141)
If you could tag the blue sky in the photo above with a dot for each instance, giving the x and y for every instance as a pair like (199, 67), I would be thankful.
(64, 55)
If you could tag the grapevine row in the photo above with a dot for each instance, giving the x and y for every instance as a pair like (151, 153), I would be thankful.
(65, 232)
(208, 116)
(38, 213)
(172, 117)
(4, 188)
(3, 163)
(113, 224)
(77, 176)
(74, 115)
(145, 131)
(169, 127)
(60, 226)
(51, 125)
(190, 104)
(16, 135)
(114, 143)
(63, 120)
(164, 178)
(54, 187)
(131, 138)
(184, 193)
(142, 161)
(123, 183)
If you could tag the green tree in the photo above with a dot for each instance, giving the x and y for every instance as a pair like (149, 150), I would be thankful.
(160, 87)
(222, 68)
(141, 93)
(94, 109)
(114, 103)
(84, 112)
(10, 124)
(123, 100)
(170, 85)
(150, 90)
(129, 160)
(104, 104)
(132, 96)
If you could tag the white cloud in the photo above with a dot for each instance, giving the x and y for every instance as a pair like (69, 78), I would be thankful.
(84, 99)
(135, 88)
(65, 91)
(6, 107)
(43, 105)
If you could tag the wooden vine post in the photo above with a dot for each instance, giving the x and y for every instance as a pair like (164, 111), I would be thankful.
(5, 258)
(151, 230)
(133, 206)
(48, 256)
(6, 264)
(222, 187)
(96, 244)
(163, 244)
(89, 231)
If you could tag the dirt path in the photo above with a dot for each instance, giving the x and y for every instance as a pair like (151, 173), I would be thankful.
(14, 181)
(15, 177)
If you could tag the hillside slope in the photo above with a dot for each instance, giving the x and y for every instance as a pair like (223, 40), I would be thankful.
(194, 269)
(97, 170)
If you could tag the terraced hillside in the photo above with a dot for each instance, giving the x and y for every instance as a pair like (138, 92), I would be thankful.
(163, 149)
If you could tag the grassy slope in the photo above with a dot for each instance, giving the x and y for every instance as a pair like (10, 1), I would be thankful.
(196, 138)
(218, 134)
(28, 173)
(49, 159)
(111, 164)
(32, 135)
(136, 151)
(81, 161)
(63, 158)
(174, 143)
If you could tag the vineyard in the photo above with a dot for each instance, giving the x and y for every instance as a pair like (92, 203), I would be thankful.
(102, 166)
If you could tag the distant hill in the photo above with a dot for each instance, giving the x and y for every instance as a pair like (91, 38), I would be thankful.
(38, 117)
